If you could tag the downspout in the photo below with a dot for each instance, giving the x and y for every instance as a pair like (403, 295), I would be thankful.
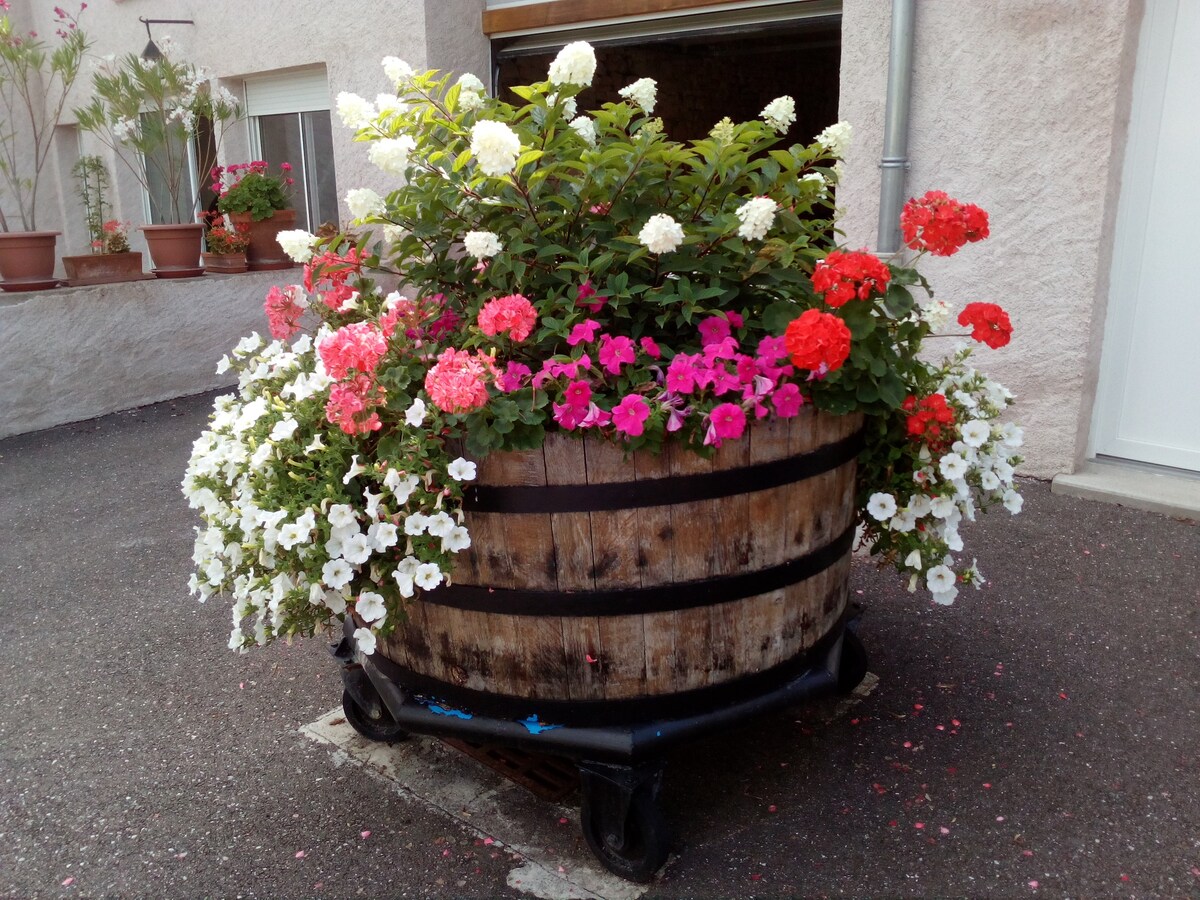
(895, 129)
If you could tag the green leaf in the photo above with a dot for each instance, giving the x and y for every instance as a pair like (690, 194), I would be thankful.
(779, 315)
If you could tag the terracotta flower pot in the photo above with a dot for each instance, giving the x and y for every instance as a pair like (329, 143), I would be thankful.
(225, 263)
(27, 260)
(175, 249)
(265, 253)
(103, 268)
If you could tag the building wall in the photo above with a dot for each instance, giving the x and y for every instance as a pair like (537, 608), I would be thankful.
(1020, 107)
(235, 39)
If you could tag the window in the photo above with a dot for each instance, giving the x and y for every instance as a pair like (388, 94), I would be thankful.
(171, 172)
(289, 122)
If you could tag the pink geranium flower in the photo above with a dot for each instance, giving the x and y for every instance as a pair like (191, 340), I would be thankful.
(513, 315)
(283, 312)
(458, 381)
(358, 347)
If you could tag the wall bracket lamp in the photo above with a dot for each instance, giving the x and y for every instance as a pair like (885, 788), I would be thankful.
(152, 51)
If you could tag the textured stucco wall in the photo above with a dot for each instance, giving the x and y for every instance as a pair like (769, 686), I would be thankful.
(75, 353)
(1021, 107)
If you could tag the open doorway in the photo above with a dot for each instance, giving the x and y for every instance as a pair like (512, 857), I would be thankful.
(703, 74)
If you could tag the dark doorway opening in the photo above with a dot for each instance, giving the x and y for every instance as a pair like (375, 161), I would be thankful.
(705, 75)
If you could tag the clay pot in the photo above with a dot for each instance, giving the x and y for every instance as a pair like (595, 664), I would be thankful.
(265, 253)
(175, 249)
(103, 268)
(225, 263)
(27, 260)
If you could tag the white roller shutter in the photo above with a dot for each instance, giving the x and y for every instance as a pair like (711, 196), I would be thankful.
(300, 90)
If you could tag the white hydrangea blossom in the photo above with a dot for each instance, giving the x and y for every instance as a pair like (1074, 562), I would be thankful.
(398, 72)
(354, 111)
(836, 138)
(495, 147)
(364, 203)
(392, 155)
(780, 113)
(661, 234)
(471, 92)
(297, 244)
(757, 215)
(574, 64)
(585, 127)
(482, 244)
(643, 93)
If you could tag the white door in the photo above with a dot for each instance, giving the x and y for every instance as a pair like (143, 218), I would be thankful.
(1148, 399)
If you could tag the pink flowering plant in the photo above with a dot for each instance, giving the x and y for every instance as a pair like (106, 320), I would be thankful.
(541, 268)
(252, 188)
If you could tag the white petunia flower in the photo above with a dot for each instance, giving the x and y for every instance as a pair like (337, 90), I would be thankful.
(836, 138)
(401, 488)
(780, 113)
(356, 549)
(975, 433)
(284, 429)
(354, 111)
(881, 506)
(482, 244)
(364, 203)
(292, 534)
(315, 444)
(919, 505)
(1012, 435)
(989, 480)
(371, 607)
(585, 127)
(428, 576)
(942, 507)
(575, 64)
(404, 581)
(944, 598)
(661, 234)
(383, 535)
(336, 573)
(372, 505)
(335, 601)
(341, 515)
(495, 147)
(903, 522)
(416, 524)
(439, 524)
(953, 466)
(458, 539)
(940, 578)
(913, 560)
(354, 471)
(392, 155)
(397, 70)
(364, 640)
(414, 416)
(1013, 501)
(757, 215)
(461, 470)
(643, 93)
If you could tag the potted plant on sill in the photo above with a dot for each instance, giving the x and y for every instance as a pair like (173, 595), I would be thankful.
(608, 448)
(257, 201)
(148, 112)
(226, 253)
(111, 260)
(35, 79)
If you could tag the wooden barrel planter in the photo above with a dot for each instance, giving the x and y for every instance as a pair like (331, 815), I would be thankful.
(597, 584)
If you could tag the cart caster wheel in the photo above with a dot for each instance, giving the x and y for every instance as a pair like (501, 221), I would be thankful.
(626, 831)
(853, 667)
(378, 727)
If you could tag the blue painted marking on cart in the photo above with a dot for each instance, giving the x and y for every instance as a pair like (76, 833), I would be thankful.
(445, 711)
(537, 727)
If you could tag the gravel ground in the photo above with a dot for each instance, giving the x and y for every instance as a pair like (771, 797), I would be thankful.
(1039, 738)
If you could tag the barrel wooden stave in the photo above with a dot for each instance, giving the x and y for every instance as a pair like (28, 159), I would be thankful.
(611, 657)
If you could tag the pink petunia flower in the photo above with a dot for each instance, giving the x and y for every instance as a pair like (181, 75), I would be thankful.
(614, 352)
(727, 422)
(787, 400)
(584, 332)
(629, 416)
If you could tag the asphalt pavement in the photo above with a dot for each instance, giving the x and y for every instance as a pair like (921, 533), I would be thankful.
(1040, 738)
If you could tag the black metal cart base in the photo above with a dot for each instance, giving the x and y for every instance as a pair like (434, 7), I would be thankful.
(619, 745)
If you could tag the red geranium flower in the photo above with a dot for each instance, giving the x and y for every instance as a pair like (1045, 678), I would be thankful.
(942, 225)
(818, 341)
(844, 275)
(989, 324)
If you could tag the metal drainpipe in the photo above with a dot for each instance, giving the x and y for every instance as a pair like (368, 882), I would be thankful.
(895, 131)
